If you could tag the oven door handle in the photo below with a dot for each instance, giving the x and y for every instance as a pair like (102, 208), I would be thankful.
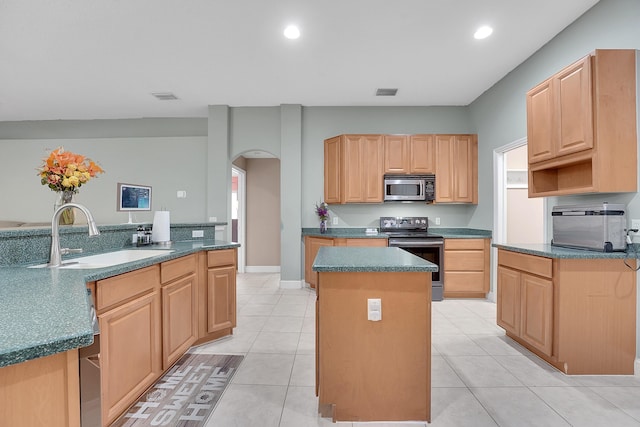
(413, 243)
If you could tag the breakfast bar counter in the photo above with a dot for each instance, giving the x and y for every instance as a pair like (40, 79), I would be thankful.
(373, 334)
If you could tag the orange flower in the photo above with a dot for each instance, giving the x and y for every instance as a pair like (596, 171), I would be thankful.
(67, 171)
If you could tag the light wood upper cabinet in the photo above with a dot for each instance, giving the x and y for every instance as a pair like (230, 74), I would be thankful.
(409, 154)
(422, 154)
(332, 162)
(456, 169)
(581, 127)
(396, 154)
(353, 167)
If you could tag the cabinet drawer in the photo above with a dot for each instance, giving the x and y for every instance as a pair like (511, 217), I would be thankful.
(176, 268)
(464, 244)
(222, 257)
(125, 286)
(464, 261)
(532, 264)
(464, 281)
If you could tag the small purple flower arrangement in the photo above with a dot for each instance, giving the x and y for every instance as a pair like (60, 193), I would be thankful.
(322, 210)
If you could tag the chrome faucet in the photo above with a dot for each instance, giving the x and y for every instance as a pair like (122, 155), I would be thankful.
(55, 254)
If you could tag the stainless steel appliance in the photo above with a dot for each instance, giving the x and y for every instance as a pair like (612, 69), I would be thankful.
(412, 235)
(409, 188)
(90, 390)
(597, 227)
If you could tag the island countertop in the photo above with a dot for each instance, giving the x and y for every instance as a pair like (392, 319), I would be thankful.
(369, 259)
(44, 311)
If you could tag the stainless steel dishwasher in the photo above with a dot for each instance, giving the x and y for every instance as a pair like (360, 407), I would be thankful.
(90, 405)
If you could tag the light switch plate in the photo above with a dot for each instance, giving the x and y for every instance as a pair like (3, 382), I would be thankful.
(635, 223)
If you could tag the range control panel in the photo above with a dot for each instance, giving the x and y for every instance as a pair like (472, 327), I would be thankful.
(404, 222)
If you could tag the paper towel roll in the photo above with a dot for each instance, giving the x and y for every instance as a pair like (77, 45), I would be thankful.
(161, 223)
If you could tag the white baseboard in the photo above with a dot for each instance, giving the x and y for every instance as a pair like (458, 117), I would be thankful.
(291, 284)
(262, 269)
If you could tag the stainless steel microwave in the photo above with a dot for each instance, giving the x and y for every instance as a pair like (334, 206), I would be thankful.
(409, 188)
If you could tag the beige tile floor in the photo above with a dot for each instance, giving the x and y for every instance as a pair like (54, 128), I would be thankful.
(479, 376)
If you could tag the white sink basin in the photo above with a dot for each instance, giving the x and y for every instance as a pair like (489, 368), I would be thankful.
(110, 259)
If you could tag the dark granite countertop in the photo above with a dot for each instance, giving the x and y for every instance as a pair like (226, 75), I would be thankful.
(360, 233)
(44, 311)
(549, 251)
(365, 259)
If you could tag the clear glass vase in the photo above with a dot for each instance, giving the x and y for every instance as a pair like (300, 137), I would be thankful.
(323, 226)
(68, 216)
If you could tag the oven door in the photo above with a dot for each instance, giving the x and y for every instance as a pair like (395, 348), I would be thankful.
(431, 250)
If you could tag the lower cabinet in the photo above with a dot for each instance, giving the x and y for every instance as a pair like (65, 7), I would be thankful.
(466, 268)
(579, 315)
(217, 294)
(41, 392)
(130, 340)
(150, 317)
(312, 244)
(179, 309)
(525, 299)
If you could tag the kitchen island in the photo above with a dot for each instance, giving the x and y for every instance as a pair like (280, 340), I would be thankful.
(373, 365)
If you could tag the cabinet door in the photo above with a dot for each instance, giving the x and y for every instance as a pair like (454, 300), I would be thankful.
(130, 353)
(311, 246)
(574, 108)
(179, 319)
(373, 162)
(332, 159)
(396, 154)
(353, 167)
(366, 242)
(462, 156)
(541, 135)
(536, 297)
(221, 298)
(508, 310)
(422, 151)
(444, 169)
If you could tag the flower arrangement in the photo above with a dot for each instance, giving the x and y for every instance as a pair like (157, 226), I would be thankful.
(322, 210)
(66, 171)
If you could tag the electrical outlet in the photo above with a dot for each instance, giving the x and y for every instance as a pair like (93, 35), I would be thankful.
(213, 219)
(635, 223)
(334, 220)
(374, 309)
(197, 233)
(437, 220)
(181, 194)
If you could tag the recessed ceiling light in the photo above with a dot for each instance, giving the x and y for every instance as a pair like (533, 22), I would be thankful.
(292, 32)
(483, 32)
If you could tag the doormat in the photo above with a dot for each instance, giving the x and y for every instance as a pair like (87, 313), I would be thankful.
(185, 395)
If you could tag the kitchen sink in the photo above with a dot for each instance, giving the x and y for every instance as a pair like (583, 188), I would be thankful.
(109, 259)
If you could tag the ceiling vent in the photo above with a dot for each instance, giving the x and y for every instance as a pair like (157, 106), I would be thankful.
(386, 92)
(165, 96)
